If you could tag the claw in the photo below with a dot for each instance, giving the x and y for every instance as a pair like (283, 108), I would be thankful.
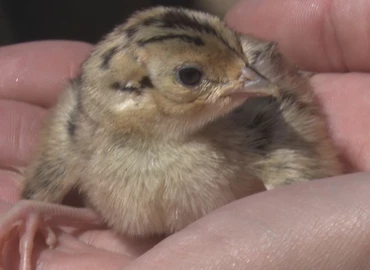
(29, 217)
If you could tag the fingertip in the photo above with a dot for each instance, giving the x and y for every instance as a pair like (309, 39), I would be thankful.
(19, 124)
(318, 35)
(10, 184)
(345, 99)
(35, 72)
(295, 25)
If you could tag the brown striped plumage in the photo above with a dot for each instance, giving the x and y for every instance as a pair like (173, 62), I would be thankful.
(175, 115)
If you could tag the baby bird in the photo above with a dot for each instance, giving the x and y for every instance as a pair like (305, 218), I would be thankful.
(174, 115)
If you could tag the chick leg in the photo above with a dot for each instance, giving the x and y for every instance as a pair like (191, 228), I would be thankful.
(29, 217)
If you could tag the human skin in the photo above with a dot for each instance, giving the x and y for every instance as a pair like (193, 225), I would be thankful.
(322, 224)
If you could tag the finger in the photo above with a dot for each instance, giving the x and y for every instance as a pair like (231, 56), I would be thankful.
(71, 253)
(20, 124)
(9, 190)
(346, 101)
(315, 225)
(36, 72)
(83, 260)
(126, 245)
(321, 35)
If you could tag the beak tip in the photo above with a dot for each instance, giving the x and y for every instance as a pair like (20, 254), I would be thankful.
(254, 85)
(254, 82)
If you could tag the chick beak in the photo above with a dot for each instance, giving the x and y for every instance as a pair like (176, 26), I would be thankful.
(254, 85)
(254, 82)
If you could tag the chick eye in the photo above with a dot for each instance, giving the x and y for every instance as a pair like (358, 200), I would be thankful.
(189, 76)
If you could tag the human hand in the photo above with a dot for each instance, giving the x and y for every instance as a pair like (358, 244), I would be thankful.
(259, 231)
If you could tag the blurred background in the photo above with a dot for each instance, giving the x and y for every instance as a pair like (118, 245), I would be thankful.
(83, 20)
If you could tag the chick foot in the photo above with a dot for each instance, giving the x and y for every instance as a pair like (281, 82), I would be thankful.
(30, 217)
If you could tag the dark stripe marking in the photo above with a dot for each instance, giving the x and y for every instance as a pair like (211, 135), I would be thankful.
(107, 56)
(194, 40)
(151, 21)
(146, 82)
(130, 32)
(72, 125)
(178, 19)
(175, 19)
